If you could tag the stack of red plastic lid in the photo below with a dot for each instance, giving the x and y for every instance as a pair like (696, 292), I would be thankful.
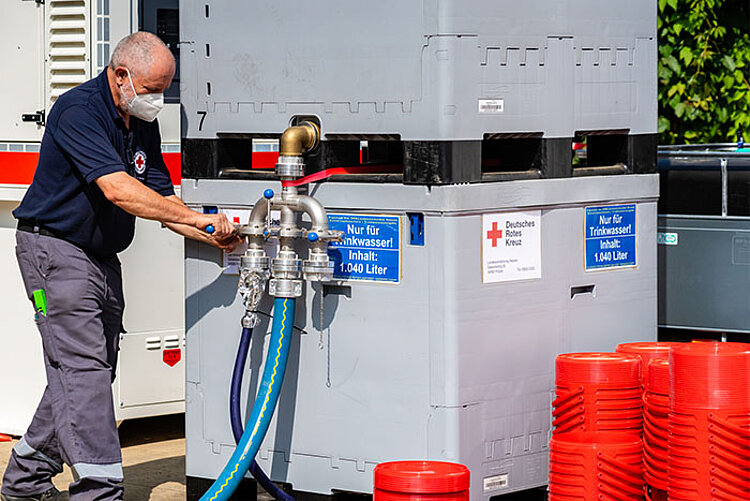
(656, 429)
(655, 414)
(421, 480)
(648, 351)
(596, 452)
(596, 466)
(597, 392)
(709, 423)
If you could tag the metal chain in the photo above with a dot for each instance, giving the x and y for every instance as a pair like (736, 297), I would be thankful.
(328, 372)
(320, 326)
(320, 341)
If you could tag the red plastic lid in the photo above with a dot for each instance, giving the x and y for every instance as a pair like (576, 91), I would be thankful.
(598, 368)
(578, 442)
(647, 351)
(658, 376)
(422, 477)
(711, 376)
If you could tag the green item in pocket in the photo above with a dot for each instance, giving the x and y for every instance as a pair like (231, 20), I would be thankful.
(40, 301)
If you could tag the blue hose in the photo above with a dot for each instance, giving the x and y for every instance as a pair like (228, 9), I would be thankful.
(235, 414)
(265, 404)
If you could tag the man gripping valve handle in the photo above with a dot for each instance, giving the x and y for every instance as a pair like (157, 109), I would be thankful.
(100, 166)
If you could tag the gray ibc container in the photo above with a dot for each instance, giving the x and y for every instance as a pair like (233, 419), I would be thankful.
(439, 365)
(445, 71)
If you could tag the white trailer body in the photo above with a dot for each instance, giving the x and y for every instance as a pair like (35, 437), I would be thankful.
(46, 49)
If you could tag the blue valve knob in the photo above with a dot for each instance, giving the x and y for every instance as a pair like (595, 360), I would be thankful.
(268, 193)
(210, 229)
(266, 233)
(312, 236)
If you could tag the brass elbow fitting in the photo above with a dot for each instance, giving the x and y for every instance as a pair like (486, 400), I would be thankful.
(299, 139)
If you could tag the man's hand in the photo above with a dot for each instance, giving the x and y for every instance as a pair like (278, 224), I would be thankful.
(223, 237)
(223, 229)
(228, 244)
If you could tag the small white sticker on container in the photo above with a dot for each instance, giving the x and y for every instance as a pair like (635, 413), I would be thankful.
(495, 482)
(667, 238)
(491, 105)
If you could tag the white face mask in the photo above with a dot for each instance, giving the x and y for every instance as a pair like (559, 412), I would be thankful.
(143, 106)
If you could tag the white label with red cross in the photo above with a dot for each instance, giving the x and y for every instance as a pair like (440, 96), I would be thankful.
(511, 246)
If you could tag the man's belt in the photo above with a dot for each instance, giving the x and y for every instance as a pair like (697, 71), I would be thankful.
(29, 227)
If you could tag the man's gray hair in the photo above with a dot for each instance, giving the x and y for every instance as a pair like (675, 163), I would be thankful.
(136, 52)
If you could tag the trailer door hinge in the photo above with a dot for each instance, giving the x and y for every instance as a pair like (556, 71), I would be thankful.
(37, 117)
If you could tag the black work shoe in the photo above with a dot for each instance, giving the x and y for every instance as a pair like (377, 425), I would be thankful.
(50, 495)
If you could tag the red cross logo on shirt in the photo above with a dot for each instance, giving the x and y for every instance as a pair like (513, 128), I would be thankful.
(494, 234)
(140, 162)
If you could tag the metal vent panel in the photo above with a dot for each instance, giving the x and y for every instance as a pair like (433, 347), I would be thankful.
(68, 46)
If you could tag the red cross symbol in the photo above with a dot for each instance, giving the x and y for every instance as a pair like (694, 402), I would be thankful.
(494, 234)
(139, 161)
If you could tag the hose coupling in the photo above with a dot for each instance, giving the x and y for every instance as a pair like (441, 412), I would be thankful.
(250, 320)
(286, 265)
(255, 261)
(290, 167)
(251, 288)
(317, 266)
(318, 271)
(283, 287)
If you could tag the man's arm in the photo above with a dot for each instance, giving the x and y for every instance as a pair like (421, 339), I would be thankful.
(228, 244)
(137, 199)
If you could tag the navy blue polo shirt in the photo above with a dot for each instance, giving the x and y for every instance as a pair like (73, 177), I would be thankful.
(85, 138)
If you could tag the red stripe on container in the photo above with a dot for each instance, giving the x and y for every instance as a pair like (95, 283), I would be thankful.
(17, 167)
(265, 159)
(173, 161)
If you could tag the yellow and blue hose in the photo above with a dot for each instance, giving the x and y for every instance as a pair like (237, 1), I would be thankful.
(265, 404)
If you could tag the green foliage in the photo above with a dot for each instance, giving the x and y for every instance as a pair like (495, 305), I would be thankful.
(704, 67)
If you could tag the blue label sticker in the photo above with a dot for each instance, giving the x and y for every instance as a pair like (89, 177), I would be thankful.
(610, 234)
(371, 249)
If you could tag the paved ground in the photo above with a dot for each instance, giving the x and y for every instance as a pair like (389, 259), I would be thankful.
(153, 453)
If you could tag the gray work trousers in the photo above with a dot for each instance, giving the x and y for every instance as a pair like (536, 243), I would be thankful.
(80, 330)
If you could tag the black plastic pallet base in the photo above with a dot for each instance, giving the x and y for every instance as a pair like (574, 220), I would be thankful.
(496, 158)
(249, 491)
(538, 494)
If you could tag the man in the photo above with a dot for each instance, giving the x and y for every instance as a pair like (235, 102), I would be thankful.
(100, 165)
